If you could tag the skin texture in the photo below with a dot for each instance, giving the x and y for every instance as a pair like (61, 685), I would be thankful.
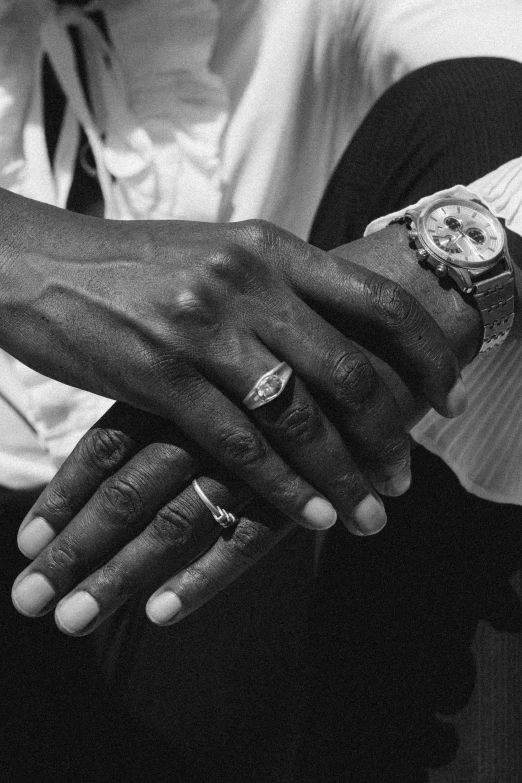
(125, 490)
(180, 319)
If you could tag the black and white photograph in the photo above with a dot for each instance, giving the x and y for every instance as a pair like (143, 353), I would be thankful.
(261, 391)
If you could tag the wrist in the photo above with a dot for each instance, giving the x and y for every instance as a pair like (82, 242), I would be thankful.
(388, 253)
(50, 262)
(392, 256)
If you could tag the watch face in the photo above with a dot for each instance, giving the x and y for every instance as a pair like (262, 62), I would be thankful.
(461, 233)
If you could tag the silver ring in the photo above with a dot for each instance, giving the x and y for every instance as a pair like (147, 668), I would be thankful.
(268, 387)
(222, 517)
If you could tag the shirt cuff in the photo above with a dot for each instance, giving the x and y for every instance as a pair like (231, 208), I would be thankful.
(500, 190)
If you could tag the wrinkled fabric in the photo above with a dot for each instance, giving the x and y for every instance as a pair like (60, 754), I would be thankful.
(216, 110)
(186, 122)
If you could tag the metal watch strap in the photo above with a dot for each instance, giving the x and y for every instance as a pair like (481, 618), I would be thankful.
(495, 300)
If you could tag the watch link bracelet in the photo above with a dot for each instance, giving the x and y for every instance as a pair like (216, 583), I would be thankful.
(461, 239)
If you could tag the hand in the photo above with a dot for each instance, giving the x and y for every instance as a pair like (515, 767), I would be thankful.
(113, 495)
(120, 516)
(181, 319)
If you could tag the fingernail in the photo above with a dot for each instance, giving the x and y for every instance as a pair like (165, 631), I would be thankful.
(353, 529)
(319, 513)
(77, 612)
(163, 607)
(32, 594)
(457, 401)
(397, 485)
(35, 536)
(370, 516)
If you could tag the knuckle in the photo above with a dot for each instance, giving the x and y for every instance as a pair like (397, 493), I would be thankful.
(260, 232)
(302, 422)
(122, 497)
(199, 582)
(391, 302)
(242, 448)
(115, 580)
(102, 448)
(272, 245)
(354, 381)
(285, 490)
(63, 559)
(58, 503)
(349, 484)
(396, 452)
(172, 525)
(189, 308)
(235, 268)
(248, 543)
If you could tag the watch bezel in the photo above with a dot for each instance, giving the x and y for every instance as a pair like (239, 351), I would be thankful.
(447, 258)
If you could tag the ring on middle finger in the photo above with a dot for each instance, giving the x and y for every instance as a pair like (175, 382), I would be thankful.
(268, 386)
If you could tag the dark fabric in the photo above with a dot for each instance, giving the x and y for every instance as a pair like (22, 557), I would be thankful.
(232, 695)
(56, 722)
(227, 688)
(422, 622)
(442, 125)
(418, 625)
(394, 617)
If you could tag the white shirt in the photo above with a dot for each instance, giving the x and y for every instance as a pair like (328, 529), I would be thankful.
(222, 110)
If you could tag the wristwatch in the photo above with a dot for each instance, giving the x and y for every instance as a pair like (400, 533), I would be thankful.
(462, 240)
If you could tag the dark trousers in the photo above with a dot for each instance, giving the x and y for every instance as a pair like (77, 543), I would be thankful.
(58, 724)
(402, 661)
(421, 624)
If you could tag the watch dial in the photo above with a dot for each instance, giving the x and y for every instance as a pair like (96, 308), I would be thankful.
(463, 233)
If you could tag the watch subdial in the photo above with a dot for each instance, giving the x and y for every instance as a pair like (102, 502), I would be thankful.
(453, 223)
(463, 232)
(476, 235)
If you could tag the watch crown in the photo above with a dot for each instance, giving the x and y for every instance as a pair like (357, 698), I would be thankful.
(422, 253)
(441, 270)
(412, 234)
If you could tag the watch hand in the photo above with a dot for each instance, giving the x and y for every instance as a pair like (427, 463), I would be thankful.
(471, 246)
(446, 240)
(468, 243)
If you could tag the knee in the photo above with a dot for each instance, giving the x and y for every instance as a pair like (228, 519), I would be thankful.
(462, 88)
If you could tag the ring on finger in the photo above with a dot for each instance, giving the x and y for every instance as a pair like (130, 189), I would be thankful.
(268, 386)
(222, 517)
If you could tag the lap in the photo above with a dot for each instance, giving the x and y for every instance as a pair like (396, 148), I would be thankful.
(400, 662)
(397, 615)
(415, 634)
(56, 720)
(227, 688)
(422, 629)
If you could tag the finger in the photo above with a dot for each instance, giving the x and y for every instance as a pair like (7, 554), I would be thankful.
(358, 401)
(373, 310)
(405, 336)
(297, 426)
(234, 441)
(120, 509)
(223, 563)
(113, 440)
(301, 433)
(179, 532)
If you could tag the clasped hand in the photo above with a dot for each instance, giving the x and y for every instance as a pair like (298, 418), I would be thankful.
(226, 304)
